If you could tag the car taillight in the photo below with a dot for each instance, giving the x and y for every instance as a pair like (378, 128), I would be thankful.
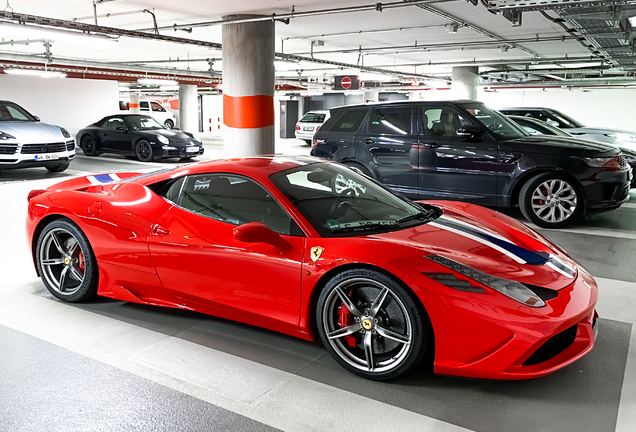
(34, 193)
(316, 142)
(317, 127)
(297, 127)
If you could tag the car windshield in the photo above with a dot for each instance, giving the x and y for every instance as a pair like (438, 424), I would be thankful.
(533, 127)
(144, 123)
(496, 122)
(340, 202)
(13, 112)
(565, 121)
(313, 118)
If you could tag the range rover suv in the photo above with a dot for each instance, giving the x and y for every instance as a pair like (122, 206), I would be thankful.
(464, 151)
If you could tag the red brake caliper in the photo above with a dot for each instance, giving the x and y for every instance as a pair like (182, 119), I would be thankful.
(345, 319)
(81, 261)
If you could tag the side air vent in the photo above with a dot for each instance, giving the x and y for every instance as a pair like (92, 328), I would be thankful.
(553, 347)
(451, 281)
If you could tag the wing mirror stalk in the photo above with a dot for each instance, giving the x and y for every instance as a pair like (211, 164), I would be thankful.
(255, 232)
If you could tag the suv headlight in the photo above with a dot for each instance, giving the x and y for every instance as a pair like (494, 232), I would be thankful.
(5, 136)
(607, 164)
(163, 139)
(65, 133)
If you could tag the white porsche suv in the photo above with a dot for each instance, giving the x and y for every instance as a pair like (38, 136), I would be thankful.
(26, 142)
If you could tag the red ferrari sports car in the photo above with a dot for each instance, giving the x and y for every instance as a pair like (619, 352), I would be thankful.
(316, 250)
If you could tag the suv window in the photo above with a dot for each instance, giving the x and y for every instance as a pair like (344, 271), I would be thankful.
(442, 122)
(143, 105)
(156, 107)
(232, 199)
(390, 121)
(349, 121)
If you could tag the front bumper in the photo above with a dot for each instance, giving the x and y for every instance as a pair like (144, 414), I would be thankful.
(179, 152)
(14, 156)
(607, 190)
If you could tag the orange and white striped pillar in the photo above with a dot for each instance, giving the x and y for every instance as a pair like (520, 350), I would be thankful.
(133, 104)
(248, 87)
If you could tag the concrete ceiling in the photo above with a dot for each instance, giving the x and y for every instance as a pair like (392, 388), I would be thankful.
(422, 47)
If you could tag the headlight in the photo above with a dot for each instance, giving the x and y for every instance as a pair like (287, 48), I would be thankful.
(509, 288)
(163, 139)
(607, 164)
(65, 133)
(625, 138)
(5, 136)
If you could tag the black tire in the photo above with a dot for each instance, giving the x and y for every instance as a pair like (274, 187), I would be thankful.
(66, 262)
(359, 168)
(367, 326)
(308, 142)
(88, 146)
(169, 124)
(59, 168)
(143, 151)
(562, 204)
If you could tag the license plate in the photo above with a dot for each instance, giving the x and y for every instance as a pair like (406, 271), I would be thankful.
(308, 129)
(49, 156)
(192, 149)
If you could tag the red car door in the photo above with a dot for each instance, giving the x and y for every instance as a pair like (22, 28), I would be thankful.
(198, 258)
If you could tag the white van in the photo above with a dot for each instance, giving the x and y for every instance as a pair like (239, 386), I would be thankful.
(153, 109)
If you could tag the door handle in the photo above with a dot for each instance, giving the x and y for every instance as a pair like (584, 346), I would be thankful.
(369, 141)
(159, 230)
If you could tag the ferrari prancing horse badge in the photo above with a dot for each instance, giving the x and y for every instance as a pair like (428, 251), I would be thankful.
(316, 251)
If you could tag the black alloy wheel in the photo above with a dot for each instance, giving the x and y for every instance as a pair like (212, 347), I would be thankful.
(66, 262)
(371, 325)
(88, 146)
(550, 200)
(359, 168)
(143, 151)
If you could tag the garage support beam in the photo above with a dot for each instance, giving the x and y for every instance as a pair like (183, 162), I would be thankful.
(188, 108)
(248, 87)
(464, 85)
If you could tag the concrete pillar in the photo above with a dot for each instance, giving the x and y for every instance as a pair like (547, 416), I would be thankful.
(248, 87)
(133, 103)
(369, 95)
(464, 84)
(188, 109)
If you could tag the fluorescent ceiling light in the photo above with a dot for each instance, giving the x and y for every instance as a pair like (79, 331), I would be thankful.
(43, 74)
(151, 81)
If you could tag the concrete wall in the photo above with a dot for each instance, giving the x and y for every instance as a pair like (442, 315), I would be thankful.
(611, 108)
(212, 106)
(70, 103)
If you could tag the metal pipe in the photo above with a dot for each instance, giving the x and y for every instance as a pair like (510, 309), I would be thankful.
(372, 7)
(108, 15)
(361, 32)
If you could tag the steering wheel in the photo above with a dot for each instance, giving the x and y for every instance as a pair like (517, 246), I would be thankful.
(345, 197)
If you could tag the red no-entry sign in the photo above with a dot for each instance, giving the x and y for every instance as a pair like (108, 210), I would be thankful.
(346, 82)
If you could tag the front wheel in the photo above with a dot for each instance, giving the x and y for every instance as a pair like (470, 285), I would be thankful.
(66, 262)
(59, 168)
(550, 200)
(371, 325)
(143, 151)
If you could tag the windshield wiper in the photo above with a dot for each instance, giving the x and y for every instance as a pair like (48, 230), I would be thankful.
(366, 227)
(417, 216)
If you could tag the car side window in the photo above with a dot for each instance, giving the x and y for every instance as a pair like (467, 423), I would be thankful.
(114, 123)
(143, 105)
(156, 107)
(15, 114)
(442, 122)
(233, 199)
(349, 121)
(390, 121)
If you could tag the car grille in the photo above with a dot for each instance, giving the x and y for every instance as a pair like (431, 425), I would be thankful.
(622, 160)
(43, 148)
(8, 149)
(553, 346)
(70, 145)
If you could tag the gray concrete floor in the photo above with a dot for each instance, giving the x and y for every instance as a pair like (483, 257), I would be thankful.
(108, 365)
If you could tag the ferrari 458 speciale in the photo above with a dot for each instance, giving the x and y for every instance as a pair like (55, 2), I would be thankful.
(315, 250)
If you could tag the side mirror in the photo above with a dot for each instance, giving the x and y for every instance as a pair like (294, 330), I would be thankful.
(553, 123)
(36, 118)
(469, 131)
(255, 232)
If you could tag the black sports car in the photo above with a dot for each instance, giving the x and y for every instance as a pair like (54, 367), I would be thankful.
(138, 135)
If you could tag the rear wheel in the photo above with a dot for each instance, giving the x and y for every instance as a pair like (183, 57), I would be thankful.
(143, 151)
(550, 200)
(88, 146)
(66, 262)
(371, 325)
(169, 124)
(359, 168)
(58, 168)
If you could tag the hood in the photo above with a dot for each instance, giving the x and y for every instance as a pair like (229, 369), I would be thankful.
(489, 242)
(622, 138)
(600, 131)
(32, 132)
(549, 144)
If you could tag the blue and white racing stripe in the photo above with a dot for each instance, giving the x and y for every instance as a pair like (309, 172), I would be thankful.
(503, 245)
(103, 178)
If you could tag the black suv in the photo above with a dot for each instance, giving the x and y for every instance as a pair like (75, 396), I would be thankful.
(462, 150)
